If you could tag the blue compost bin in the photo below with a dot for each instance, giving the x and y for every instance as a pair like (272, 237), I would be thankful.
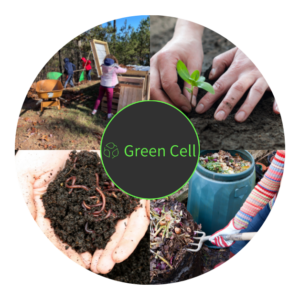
(215, 198)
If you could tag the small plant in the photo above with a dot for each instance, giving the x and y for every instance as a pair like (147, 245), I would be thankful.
(195, 80)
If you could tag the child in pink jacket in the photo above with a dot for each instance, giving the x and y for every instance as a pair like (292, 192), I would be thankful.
(109, 80)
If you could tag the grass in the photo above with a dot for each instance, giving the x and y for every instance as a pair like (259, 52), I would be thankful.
(72, 127)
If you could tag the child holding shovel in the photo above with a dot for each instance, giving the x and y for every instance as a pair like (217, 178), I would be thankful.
(109, 80)
(256, 208)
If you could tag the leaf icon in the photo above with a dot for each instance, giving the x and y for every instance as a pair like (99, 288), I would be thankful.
(115, 153)
(110, 145)
(106, 152)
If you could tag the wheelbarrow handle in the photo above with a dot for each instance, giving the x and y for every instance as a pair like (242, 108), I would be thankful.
(246, 236)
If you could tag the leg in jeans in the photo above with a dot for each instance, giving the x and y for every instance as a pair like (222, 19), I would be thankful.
(71, 80)
(109, 93)
(67, 80)
(88, 74)
(102, 90)
(254, 226)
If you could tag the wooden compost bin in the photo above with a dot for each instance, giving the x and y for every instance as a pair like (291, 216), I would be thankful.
(133, 86)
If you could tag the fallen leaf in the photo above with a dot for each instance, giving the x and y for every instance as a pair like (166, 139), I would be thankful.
(45, 146)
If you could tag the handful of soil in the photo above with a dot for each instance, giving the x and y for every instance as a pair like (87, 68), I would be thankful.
(83, 205)
(171, 231)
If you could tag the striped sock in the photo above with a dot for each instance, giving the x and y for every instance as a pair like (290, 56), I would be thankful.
(264, 193)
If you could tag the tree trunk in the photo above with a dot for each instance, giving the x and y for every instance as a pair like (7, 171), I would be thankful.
(114, 36)
(60, 66)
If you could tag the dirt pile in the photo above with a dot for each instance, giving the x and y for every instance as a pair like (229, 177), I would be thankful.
(83, 205)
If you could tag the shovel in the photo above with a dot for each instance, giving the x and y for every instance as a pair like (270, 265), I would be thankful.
(246, 236)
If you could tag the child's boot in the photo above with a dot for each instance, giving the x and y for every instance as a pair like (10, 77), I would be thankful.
(231, 256)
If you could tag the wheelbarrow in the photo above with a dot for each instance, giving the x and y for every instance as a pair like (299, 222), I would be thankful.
(246, 236)
(49, 91)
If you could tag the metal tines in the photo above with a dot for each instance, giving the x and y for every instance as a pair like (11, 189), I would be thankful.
(245, 236)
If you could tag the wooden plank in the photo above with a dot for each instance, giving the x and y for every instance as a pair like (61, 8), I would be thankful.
(129, 95)
(140, 86)
(95, 55)
(137, 73)
(148, 88)
(114, 100)
(139, 80)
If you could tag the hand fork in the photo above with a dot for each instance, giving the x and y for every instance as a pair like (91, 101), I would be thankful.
(246, 236)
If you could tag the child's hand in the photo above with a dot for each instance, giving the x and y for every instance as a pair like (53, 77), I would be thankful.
(241, 75)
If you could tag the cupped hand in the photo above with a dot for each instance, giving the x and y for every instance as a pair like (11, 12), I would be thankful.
(123, 242)
(35, 170)
(186, 45)
(236, 73)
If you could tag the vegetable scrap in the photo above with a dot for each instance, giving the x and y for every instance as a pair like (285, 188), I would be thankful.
(224, 162)
(171, 231)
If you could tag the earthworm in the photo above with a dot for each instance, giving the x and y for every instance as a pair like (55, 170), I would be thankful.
(85, 205)
(103, 198)
(69, 186)
(97, 179)
(114, 195)
(106, 183)
(112, 184)
(74, 165)
(95, 197)
(112, 190)
(88, 230)
(75, 186)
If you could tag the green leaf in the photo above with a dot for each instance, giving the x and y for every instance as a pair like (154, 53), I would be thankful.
(193, 82)
(206, 86)
(201, 79)
(183, 71)
(195, 75)
(188, 89)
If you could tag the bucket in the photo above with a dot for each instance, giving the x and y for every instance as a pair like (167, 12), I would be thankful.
(214, 198)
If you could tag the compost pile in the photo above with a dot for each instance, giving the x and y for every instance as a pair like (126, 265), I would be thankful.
(83, 205)
(224, 162)
(171, 231)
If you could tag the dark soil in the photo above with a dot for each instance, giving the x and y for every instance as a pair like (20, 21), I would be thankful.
(134, 269)
(262, 130)
(72, 222)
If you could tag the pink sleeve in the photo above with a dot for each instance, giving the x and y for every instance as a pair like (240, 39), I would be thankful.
(121, 70)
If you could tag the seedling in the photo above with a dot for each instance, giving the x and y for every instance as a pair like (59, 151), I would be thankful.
(195, 80)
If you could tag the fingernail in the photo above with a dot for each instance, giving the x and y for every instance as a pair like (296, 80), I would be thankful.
(240, 116)
(185, 108)
(200, 108)
(220, 115)
(194, 101)
(212, 73)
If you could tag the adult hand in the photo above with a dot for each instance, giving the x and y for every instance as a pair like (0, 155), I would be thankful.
(123, 242)
(35, 170)
(217, 238)
(186, 45)
(241, 75)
